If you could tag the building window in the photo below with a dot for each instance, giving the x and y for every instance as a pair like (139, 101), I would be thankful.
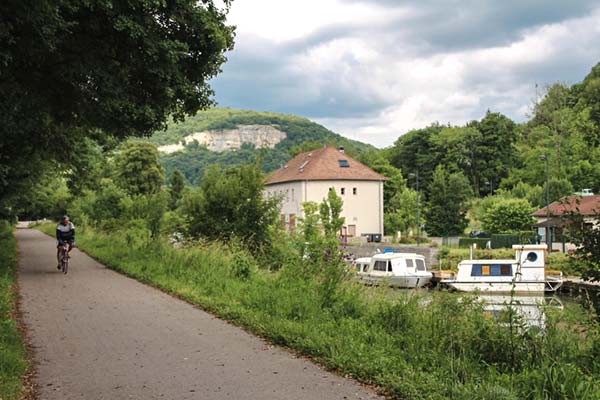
(491, 270)
(344, 163)
(354, 191)
(343, 191)
(293, 197)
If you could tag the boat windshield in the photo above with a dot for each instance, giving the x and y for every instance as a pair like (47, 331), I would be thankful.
(420, 265)
(380, 266)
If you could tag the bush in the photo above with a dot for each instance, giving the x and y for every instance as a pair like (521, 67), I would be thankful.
(508, 215)
(466, 242)
(506, 241)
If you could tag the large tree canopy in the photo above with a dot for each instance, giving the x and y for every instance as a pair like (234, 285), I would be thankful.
(99, 69)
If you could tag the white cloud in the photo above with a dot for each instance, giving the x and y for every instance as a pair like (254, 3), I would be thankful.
(373, 81)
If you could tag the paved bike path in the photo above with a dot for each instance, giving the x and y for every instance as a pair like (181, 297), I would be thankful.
(97, 334)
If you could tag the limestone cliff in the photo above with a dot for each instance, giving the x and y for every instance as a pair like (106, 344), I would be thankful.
(262, 136)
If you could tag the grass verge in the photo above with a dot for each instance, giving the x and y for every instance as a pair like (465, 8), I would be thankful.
(437, 346)
(13, 356)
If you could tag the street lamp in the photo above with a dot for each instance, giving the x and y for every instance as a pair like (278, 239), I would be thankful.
(416, 175)
(548, 233)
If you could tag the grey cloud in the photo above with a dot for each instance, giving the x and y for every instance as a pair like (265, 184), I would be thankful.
(458, 25)
(257, 77)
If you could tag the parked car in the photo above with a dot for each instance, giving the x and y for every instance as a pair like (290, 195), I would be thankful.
(479, 234)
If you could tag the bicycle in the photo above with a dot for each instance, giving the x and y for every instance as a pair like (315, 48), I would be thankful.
(64, 257)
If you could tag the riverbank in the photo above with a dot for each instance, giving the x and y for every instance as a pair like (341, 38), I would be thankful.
(444, 346)
(13, 355)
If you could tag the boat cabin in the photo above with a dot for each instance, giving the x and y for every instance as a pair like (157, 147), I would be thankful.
(526, 273)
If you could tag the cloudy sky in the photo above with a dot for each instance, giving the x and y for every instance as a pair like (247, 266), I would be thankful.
(374, 69)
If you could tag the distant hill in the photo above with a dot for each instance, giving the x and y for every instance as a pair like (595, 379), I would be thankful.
(232, 137)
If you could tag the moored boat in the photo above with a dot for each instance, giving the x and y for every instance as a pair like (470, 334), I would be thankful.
(525, 274)
(399, 270)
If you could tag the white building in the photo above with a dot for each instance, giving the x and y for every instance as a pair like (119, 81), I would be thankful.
(309, 177)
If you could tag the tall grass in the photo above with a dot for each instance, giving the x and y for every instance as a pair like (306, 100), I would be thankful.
(13, 363)
(437, 346)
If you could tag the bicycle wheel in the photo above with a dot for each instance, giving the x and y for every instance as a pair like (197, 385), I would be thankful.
(64, 261)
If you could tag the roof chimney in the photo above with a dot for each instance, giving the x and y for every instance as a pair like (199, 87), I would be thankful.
(341, 149)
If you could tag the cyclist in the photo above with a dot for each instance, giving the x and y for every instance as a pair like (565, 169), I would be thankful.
(65, 232)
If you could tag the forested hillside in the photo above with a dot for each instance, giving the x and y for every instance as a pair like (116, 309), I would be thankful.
(495, 153)
(504, 162)
(193, 160)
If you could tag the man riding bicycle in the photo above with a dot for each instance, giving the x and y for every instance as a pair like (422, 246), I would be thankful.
(65, 233)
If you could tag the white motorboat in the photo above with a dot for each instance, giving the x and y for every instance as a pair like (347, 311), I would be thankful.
(525, 274)
(399, 270)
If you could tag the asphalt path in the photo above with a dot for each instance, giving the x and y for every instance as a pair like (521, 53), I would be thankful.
(97, 334)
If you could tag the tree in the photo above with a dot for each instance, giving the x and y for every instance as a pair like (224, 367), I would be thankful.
(230, 204)
(99, 69)
(416, 151)
(496, 152)
(508, 215)
(176, 186)
(138, 170)
(402, 212)
(330, 210)
(395, 184)
(447, 204)
(459, 150)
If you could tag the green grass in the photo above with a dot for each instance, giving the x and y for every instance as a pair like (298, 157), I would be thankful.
(13, 357)
(437, 346)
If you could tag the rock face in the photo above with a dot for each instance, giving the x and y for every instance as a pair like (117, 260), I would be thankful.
(231, 139)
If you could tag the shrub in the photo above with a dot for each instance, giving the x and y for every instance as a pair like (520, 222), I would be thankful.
(508, 215)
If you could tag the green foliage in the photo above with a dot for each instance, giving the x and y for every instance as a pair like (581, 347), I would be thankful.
(535, 195)
(508, 215)
(401, 214)
(13, 358)
(138, 170)
(415, 151)
(447, 205)
(465, 242)
(229, 204)
(506, 241)
(102, 71)
(587, 255)
(176, 187)
(148, 210)
(330, 210)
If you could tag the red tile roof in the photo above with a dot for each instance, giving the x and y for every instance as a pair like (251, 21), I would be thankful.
(583, 205)
(323, 164)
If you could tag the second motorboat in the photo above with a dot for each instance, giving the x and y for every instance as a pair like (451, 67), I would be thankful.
(400, 270)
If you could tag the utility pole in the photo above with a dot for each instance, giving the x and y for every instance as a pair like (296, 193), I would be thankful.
(416, 175)
(548, 230)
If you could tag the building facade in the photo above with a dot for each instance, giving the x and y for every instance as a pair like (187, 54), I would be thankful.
(310, 176)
